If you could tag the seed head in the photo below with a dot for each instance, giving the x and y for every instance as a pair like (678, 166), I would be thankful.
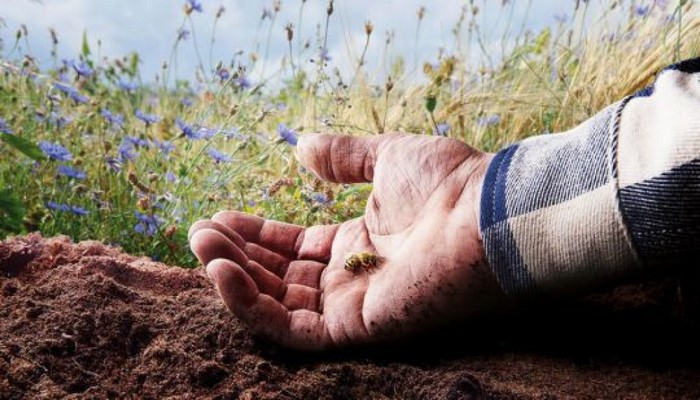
(290, 31)
(369, 28)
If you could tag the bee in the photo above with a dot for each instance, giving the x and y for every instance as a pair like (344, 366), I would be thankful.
(362, 261)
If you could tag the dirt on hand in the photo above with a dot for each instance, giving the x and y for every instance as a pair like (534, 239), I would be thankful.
(89, 321)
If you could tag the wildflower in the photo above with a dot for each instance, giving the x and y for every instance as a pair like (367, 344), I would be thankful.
(126, 151)
(324, 55)
(186, 101)
(194, 5)
(113, 164)
(187, 130)
(79, 211)
(127, 86)
(72, 92)
(136, 141)
(148, 224)
(206, 133)
(287, 134)
(219, 157)
(147, 118)
(183, 34)
(321, 199)
(642, 11)
(114, 119)
(170, 177)
(489, 120)
(442, 129)
(4, 128)
(55, 151)
(243, 82)
(70, 172)
(232, 133)
(82, 68)
(60, 120)
(223, 74)
(165, 146)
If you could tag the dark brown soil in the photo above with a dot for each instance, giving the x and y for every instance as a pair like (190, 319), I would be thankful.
(88, 321)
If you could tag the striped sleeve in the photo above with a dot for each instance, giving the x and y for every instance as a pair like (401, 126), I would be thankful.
(566, 213)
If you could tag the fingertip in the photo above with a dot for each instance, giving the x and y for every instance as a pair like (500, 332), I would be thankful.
(235, 286)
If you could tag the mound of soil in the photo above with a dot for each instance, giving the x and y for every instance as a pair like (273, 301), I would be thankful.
(88, 321)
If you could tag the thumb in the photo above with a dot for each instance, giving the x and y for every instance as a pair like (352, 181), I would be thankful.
(339, 158)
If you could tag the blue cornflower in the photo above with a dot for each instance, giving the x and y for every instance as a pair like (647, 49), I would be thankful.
(321, 198)
(187, 130)
(4, 128)
(72, 92)
(127, 86)
(113, 164)
(205, 133)
(70, 172)
(126, 151)
(223, 74)
(243, 82)
(219, 157)
(147, 118)
(148, 224)
(287, 134)
(324, 55)
(195, 5)
(55, 151)
(186, 101)
(136, 141)
(183, 34)
(170, 177)
(489, 120)
(442, 129)
(82, 68)
(642, 11)
(114, 119)
(165, 146)
(79, 211)
(52, 205)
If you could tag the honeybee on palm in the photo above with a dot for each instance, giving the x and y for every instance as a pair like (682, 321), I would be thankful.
(362, 261)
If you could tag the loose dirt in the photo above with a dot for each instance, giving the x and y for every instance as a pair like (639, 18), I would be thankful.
(89, 321)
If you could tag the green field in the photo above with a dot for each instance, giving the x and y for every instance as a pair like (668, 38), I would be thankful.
(91, 151)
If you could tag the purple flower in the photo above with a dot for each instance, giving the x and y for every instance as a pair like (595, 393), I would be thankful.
(165, 146)
(126, 151)
(183, 34)
(127, 86)
(148, 224)
(147, 118)
(324, 55)
(114, 119)
(489, 120)
(55, 151)
(4, 128)
(321, 199)
(442, 129)
(219, 157)
(243, 82)
(136, 141)
(223, 74)
(113, 164)
(642, 11)
(170, 177)
(186, 101)
(287, 134)
(187, 130)
(79, 211)
(195, 5)
(82, 68)
(72, 92)
(206, 133)
(70, 172)
(52, 205)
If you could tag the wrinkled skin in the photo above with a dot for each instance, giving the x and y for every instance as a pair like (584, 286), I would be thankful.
(288, 283)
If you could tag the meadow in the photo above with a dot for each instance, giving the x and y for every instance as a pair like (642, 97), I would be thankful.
(89, 150)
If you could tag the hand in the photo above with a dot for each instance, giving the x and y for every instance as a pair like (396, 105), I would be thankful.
(288, 283)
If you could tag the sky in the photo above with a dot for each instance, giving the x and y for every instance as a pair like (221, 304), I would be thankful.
(150, 28)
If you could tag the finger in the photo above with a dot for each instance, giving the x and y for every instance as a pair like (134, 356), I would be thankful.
(339, 158)
(293, 297)
(298, 297)
(208, 244)
(272, 261)
(279, 237)
(300, 329)
(304, 272)
(209, 224)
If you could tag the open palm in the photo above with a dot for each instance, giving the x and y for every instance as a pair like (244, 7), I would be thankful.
(289, 284)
